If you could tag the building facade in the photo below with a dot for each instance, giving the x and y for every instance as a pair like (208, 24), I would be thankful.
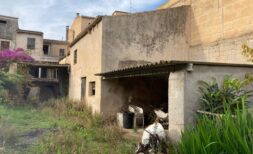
(48, 79)
(157, 57)
(8, 28)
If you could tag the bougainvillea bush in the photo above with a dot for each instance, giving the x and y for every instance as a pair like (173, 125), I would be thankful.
(9, 82)
(10, 56)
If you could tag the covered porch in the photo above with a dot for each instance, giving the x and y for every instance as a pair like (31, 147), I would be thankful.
(151, 87)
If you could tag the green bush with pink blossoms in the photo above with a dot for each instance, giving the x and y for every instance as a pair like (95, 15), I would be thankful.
(9, 82)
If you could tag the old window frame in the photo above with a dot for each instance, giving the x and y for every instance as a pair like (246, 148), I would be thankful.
(5, 46)
(31, 43)
(92, 88)
(75, 57)
(61, 52)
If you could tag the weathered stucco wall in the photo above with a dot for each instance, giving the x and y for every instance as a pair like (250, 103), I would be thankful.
(55, 49)
(22, 43)
(88, 64)
(8, 30)
(78, 25)
(184, 93)
(144, 37)
(218, 28)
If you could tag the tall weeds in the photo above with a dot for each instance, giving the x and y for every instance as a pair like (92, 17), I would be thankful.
(231, 132)
(227, 134)
(85, 132)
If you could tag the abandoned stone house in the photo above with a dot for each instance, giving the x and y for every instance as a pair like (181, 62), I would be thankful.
(48, 78)
(157, 57)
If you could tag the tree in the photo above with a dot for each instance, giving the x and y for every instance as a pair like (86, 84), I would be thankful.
(9, 82)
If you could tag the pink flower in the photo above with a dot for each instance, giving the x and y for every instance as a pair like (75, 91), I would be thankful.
(18, 55)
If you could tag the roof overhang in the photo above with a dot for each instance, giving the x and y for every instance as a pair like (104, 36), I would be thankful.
(162, 68)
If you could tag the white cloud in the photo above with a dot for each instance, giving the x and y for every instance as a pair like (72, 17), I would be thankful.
(51, 16)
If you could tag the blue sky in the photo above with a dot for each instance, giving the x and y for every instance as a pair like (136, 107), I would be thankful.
(52, 16)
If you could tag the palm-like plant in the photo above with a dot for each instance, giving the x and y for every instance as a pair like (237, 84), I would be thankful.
(227, 96)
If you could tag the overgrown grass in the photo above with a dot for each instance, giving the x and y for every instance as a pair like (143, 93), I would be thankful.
(217, 135)
(69, 127)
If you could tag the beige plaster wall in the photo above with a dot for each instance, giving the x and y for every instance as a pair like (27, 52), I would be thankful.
(218, 28)
(55, 49)
(21, 42)
(89, 61)
(78, 25)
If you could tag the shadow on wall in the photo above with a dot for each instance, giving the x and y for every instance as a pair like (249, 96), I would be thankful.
(148, 93)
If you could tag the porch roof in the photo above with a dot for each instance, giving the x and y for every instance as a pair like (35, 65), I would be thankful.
(160, 68)
(153, 69)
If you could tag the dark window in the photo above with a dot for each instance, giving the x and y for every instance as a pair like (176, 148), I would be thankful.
(5, 45)
(43, 72)
(45, 49)
(3, 22)
(61, 52)
(3, 26)
(92, 88)
(83, 88)
(34, 72)
(75, 56)
(30, 43)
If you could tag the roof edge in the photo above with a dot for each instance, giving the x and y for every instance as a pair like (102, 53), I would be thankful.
(29, 32)
(86, 30)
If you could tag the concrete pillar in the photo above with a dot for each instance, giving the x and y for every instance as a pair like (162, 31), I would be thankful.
(176, 104)
(39, 72)
(13, 68)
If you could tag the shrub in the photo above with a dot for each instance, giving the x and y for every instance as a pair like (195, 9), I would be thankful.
(226, 134)
(9, 82)
(226, 96)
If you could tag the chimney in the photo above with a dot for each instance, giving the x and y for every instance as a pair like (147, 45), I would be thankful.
(77, 14)
(67, 33)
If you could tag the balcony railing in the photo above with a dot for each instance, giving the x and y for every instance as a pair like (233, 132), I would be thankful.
(51, 80)
(49, 58)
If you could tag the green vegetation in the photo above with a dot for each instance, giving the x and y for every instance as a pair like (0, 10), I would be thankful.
(226, 134)
(226, 96)
(231, 132)
(59, 126)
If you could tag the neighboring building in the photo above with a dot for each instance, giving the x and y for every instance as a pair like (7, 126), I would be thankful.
(78, 25)
(151, 56)
(48, 78)
(8, 28)
(30, 41)
(53, 50)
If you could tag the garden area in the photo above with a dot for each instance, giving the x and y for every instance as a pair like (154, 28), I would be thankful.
(224, 124)
(59, 126)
